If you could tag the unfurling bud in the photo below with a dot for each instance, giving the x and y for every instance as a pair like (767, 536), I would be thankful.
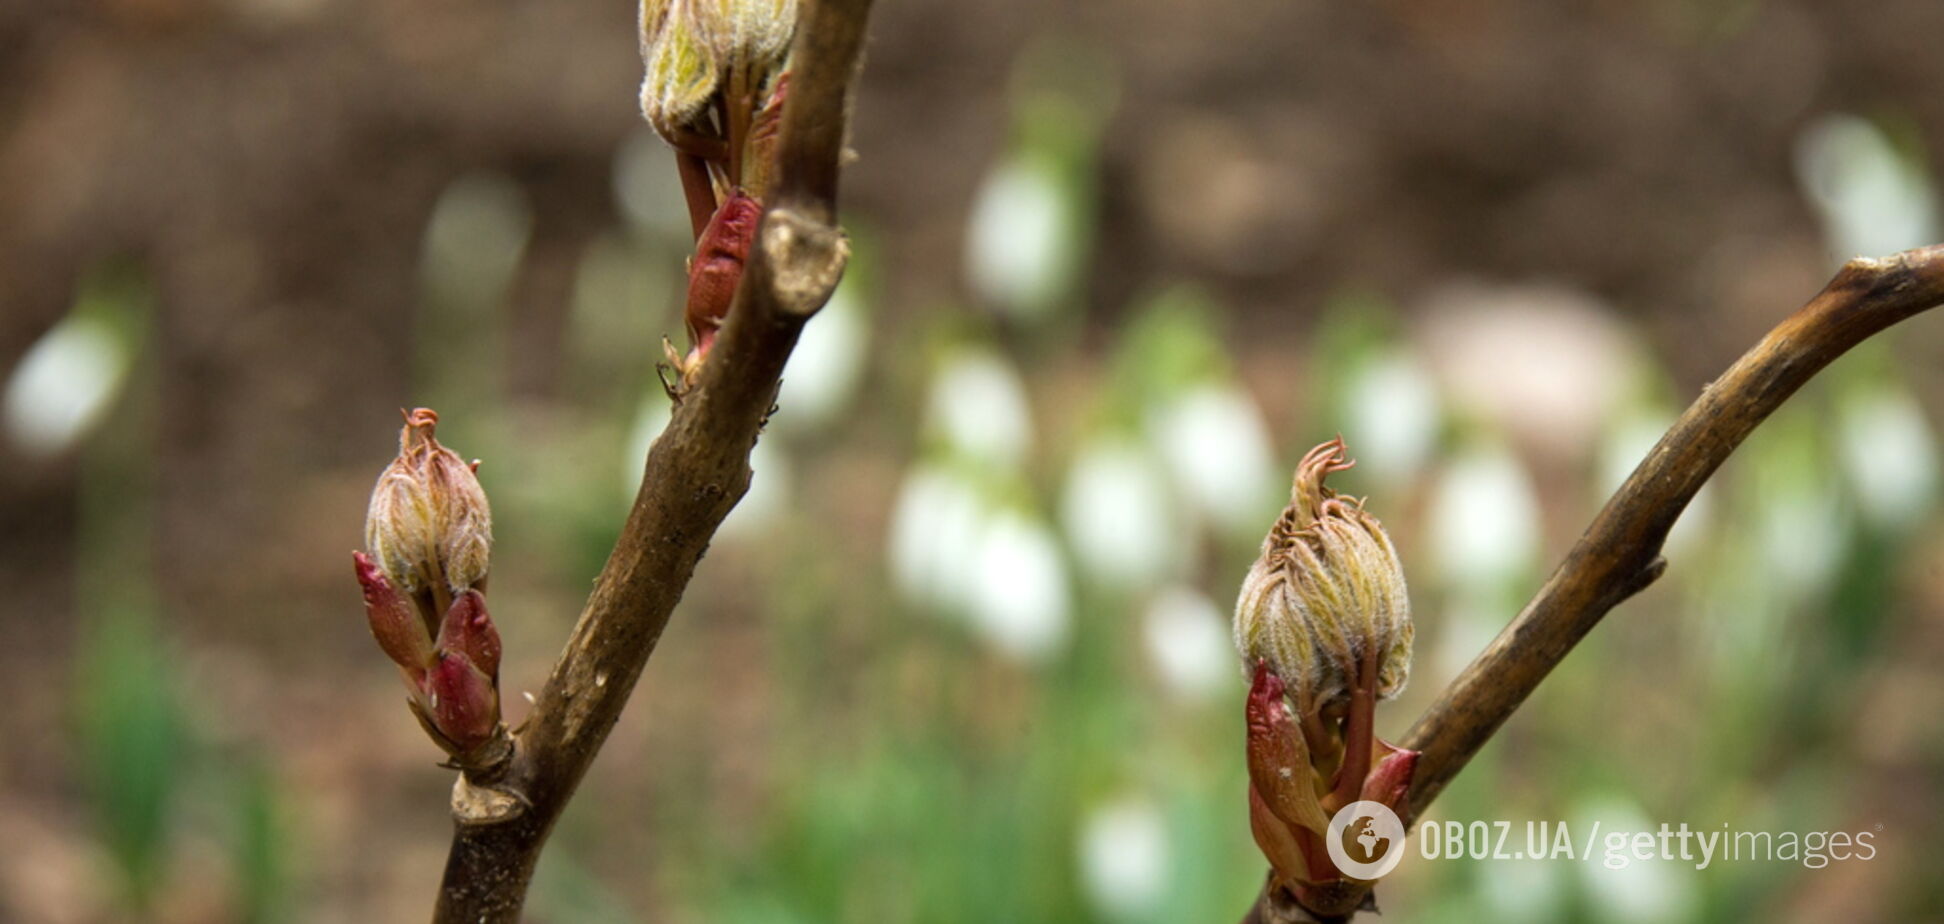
(430, 534)
(690, 47)
(1324, 620)
(1326, 594)
(429, 526)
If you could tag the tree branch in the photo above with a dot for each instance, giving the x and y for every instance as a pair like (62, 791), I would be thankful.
(1619, 554)
(696, 472)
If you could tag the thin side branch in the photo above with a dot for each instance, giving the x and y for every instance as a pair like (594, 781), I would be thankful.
(1620, 554)
(695, 474)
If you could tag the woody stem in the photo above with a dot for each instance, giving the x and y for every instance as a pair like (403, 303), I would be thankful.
(696, 472)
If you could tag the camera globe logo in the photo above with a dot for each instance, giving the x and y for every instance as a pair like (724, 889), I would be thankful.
(1375, 839)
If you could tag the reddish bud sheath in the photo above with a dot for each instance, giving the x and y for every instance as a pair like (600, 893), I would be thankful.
(759, 154)
(1274, 839)
(394, 621)
(468, 630)
(718, 265)
(465, 708)
(1389, 781)
(1279, 764)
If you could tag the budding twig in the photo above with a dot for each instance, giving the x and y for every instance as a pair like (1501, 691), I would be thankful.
(695, 473)
(1619, 554)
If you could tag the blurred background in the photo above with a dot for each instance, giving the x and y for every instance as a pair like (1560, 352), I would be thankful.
(962, 653)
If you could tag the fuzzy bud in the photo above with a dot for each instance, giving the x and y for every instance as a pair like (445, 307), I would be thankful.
(1326, 595)
(429, 528)
(430, 534)
(689, 47)
(678, 49)
(1324, 621)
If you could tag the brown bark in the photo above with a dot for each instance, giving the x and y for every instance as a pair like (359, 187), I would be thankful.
(695, 474)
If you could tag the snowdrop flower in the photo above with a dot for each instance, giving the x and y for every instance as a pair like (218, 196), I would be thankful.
(1020, 589)
(936, 526)
(1124, 857)
(1800, 525)
(1118, 514)
(1873, 200)
(978, 406)
(65, 384)
(1890, 454)
(1391, 408)
(1188, 642)
(1520, 891)
(1641, 890)
(1484, 519)
(1217, 449)
(1021, 247)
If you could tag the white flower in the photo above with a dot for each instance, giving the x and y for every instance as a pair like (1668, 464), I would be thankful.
(1020, 594)
(1217, 448)
(1484, 519)
(1800, 525)
(979, 406)
(1119, 517)
(936, 525)
(1873, 200)
(1020, 250)
(1392, 413)
(64, 384)
(1640, 890)
(1187, 639)
(1890, 455)
(1124, 859)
